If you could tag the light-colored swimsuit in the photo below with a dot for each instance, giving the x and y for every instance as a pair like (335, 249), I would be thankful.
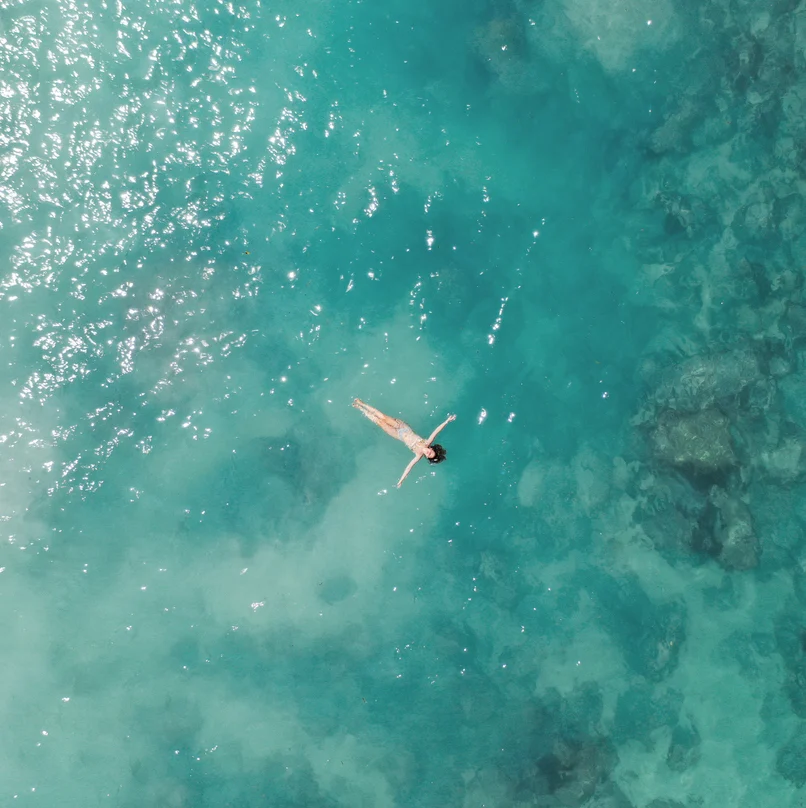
(410, 438)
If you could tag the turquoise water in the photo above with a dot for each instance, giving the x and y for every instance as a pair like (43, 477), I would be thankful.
(577, 225)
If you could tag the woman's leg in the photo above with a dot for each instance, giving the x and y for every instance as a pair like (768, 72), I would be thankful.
(370, 412)
(385, 422)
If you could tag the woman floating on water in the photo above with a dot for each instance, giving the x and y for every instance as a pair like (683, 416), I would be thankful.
(402, 431)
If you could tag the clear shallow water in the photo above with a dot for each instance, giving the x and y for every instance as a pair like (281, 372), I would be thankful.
(579, 231)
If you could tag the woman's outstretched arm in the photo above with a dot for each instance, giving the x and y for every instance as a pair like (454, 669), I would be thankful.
(408, 469)
(440, 428)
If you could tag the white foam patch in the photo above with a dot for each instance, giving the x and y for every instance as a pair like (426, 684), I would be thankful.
(120, 623)
(281, 587)
(614, 32)
(119, 637)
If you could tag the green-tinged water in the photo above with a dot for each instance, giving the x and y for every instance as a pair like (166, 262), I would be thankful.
(577, 225)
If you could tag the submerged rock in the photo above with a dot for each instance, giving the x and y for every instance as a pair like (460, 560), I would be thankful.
(697, 517)
(795, 687)
(799, 581)
(791, 759)
(735, 533)
(756, 220)
(786, 462)
(697, 443)
(795, 322)
(793, 392)
(674, 134)
(568, 763)
(579, 713)
(669, 528)
(684, 749)
(702, 381)
(609, 796)
(643, 709)
(592, 473)
(684, 214)
(574, 770)
(672, 514)
(790, 638)
(649, 634)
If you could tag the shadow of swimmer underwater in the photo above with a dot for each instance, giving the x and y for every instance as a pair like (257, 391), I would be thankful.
(400, 430)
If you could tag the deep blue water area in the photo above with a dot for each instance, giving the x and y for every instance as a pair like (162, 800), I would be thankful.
(578, 226)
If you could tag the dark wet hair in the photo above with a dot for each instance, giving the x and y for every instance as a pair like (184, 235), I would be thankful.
(439, 454)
